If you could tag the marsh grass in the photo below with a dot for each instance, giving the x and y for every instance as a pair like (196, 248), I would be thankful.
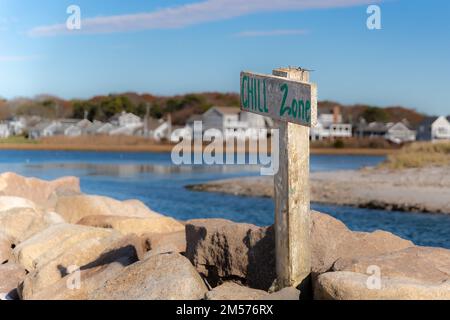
(17, 140)
(418, 155)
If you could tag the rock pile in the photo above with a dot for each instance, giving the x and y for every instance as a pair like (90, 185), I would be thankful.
(58, 243)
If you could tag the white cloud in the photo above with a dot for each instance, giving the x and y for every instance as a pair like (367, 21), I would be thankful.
(190, 14)
(269, 33)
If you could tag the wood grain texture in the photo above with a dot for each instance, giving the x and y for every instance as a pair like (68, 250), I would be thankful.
(292, 199)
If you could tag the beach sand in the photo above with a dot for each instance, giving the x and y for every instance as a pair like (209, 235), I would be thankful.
(414, 190)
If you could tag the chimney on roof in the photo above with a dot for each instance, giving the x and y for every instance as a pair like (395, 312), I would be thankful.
(336, 114)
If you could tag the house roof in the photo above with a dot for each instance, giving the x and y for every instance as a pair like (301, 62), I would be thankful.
(84, 123)
(428, 121)
(94, 126)
(398, 126)
(373, 127)
(227, 110)
(69, 121)
(41, 126)
(153, 123)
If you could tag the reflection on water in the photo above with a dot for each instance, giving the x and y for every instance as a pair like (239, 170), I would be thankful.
(133, 170)
(151, 178)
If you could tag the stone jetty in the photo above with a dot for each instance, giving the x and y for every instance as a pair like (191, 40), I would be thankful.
(58, 243)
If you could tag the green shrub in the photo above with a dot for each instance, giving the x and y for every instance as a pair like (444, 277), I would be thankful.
(338, 144)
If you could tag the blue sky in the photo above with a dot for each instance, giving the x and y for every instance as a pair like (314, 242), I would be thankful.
(178, 46)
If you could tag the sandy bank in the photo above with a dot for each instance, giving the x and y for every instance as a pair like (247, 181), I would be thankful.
(415, 190)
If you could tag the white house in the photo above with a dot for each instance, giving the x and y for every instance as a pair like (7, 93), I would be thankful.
(340, 130)
(222, 118)
(5, 130)
(17, 126)
(235, 124)
(93, 127)
(106, 128)
(181, 133)
(434, 128)
(399, 133)
(35, 132)
(128, 119)
(253, 120)
(75, 130)
(51, 129)
(128, 130)
(329, 125)
(126, 124)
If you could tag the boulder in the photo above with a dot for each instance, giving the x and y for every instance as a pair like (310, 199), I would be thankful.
(41, 192)
(21, 223)
(135, 225)
(233, 291)
(5, 248)
(332, 240)
(11, 275)
(431, 265)
(75, 207)
(86, 255)
(411, 273)
(284, 294)
(67, 289)
(168, 242)
(88, 250)
(345, 285)
(222, 250)
(11, 202)
(53, 241)
(160, 277)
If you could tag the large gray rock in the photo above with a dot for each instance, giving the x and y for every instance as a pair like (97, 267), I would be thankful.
(234, 291)
(222, 250)
(43, 193)
(345, 285)
(160, 277)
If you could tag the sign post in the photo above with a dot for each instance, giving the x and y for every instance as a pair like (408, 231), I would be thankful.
(289, 99)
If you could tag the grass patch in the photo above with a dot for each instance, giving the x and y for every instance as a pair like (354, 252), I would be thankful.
(418, 155)
(17, 140)
(354, 142)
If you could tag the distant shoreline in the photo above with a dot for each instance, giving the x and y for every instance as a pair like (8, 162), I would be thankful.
(424, 190)
(158, 148)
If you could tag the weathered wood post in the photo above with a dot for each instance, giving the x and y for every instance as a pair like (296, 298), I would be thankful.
(291, 101)
(292, 199)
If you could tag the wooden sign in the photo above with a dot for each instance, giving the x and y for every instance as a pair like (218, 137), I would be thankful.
(289, 99)
(279, 98)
